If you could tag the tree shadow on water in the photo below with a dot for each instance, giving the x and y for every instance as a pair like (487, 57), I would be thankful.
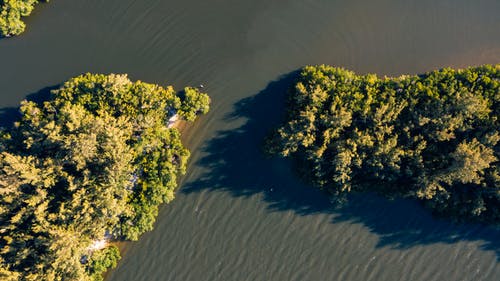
(9, 115)
(235, 164)
(405, 223)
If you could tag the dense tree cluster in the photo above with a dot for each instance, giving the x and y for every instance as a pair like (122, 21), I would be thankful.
(95, 160)
(434, 137)
(11, 13)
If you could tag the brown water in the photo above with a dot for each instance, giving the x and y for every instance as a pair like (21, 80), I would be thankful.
(239, 216)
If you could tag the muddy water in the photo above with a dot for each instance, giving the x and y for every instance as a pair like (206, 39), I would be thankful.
(239, 216)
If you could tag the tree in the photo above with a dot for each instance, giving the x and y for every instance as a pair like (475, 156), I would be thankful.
(433, 137)
(11, 12)
(95, 160)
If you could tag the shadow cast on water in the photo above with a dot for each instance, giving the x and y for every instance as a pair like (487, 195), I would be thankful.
(405, 223)
(236, 164)
(9, 115)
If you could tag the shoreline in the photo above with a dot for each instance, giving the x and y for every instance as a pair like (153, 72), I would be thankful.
(122, 245)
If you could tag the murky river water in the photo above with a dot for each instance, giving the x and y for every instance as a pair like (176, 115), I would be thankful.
(239, 216)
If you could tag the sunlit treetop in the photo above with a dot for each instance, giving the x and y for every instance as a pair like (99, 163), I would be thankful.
(434, 137)
(95, 160)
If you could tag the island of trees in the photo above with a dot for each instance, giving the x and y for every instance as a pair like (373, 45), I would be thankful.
(11, 14)
(433, 137)
(95, 161)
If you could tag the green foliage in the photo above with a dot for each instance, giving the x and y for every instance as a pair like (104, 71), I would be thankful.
(102, 260)
(11, 12)
(194, 103)
(433, 137)
(98, 158)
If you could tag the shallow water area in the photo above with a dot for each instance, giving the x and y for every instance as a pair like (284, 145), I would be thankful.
(238, 215)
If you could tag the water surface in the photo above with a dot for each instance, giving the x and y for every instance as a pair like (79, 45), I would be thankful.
(239, 216)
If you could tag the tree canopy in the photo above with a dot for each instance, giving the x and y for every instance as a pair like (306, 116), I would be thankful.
(97, 159)
(11, 14)
(434, 137)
